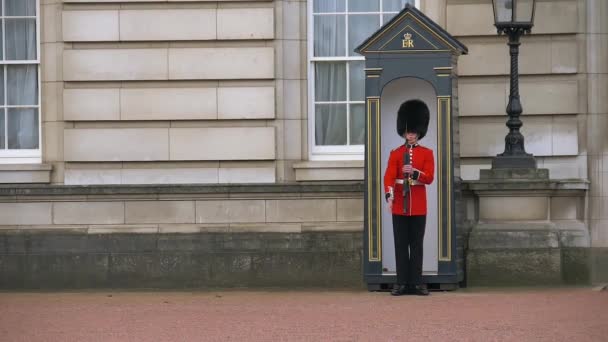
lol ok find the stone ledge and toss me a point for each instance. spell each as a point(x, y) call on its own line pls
point(25, 173)
point(329, 170)
point(179, 228)
point(478, 186)
point(186, 189)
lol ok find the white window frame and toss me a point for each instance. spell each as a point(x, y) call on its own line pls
point(342, 152)
point(24, 156)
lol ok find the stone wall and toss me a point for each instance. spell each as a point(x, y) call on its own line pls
point(181, 236)
point(169, 92)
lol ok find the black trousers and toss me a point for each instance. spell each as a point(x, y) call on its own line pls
point(408, 232)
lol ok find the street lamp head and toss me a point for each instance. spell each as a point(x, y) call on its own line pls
point(512, 15)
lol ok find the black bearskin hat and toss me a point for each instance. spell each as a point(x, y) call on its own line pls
point(413, 116)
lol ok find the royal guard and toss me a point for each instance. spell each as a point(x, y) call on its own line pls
point(411, 167)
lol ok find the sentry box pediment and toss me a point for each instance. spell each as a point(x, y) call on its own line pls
point(410, 31)
point(411, 57)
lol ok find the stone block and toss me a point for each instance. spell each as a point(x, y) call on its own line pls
point(470, 19)
point(170, 176)
point(25, 173)
point(573, 234)
point(231, 175)
point(128, 243)
point(52, 133)
point(514, 174)
point(168, 24)
point(266, 228)
point(475, 19)
point(51, 66)
point(90, 26)
point(50, 23)
point(562, 167)
point(599, 263)
point(11, 271)
point(564, 56)
point(301, 210)
point(576, 266)
point(481, 97)
point(91, 104)
point(556, 17)
point(547, 97)
point(129, 269)
point(598, 86)
point(292, 12)
point(599, 227)
point(292, 60)
point(116, 144)
point(221, 63)
point(194, 242)
point(502, 208)
point(491, 57)
point(291, 99)
point(245, 103)
point(564, 135)
point(237, 266)
point(292, 135)
point(52, 101)
point(514, 267)
point(245, 23)
point(92, 177)
point(513, 235)
point(597, 47)
point(116, 65)
point(52, 271)
point(484, 137)
point(88, 212)
point(320, 170)
point(354, 226)
point(222, 143)
point(533, 54)
point(487, 57)
point(350, 209)
point(59, 242)
point(168, 104)
point(159, 212)
point(25, 213)
point(106, 229)
point(230, 211)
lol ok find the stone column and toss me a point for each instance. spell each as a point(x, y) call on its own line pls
point(51, 46)
point(596, 33)
point(291, 83)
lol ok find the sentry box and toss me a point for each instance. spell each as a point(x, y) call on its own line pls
point(411, 57)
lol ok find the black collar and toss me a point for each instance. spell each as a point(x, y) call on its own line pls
point(410, 146)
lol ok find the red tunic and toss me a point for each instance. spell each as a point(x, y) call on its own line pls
point(423, 162)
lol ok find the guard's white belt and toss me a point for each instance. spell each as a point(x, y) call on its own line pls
point(414, 182)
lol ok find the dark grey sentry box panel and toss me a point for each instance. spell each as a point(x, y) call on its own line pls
point(413, 47)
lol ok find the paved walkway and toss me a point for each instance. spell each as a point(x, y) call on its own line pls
point(571, 314)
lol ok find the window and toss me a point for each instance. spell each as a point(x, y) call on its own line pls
point(19, 81)
point(336, 76)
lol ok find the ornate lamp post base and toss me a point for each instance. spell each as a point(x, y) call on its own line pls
point(514, 162)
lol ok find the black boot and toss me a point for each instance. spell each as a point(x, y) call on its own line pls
point(399, 290)
point(421, 290)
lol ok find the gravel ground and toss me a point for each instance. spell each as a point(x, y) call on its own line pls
point(565, 314)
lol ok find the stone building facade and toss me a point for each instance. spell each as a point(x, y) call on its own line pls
point(159, 122)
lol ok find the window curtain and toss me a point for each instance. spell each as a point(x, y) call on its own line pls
point(21, 124)
point(330, 80)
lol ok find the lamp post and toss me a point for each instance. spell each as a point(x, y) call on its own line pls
point(514, 18)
